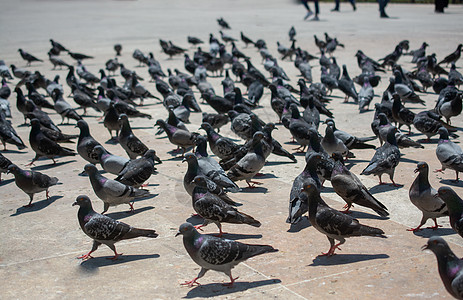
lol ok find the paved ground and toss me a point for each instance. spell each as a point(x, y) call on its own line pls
point(39, 245)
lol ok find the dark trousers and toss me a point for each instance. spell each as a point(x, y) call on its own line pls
point(440, 4)
point(382, 5)
point(306, 5)
point(337, 3)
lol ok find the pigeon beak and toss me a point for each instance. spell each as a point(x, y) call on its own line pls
point(424, 247)
point(183, 160)
point(416, 170)
point(177, 234)
point(74, 204)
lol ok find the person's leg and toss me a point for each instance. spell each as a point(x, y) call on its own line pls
point(309, 12)
point(317, 10)
point(353, 4)
point(336, 6)
point(382, 6)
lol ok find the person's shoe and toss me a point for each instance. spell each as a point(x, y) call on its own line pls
point(354, 7)
point(315, 18)
point(335, 9)
point(308, 15)
point(383, 15)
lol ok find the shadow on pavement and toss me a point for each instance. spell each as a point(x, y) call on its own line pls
point(36, 206)
point(342, 259)
point(217, 289)
point(381, 188)
point(50, 166)
point(124, 214)
point(302, 224)
point(92, 265)
point(428, 232)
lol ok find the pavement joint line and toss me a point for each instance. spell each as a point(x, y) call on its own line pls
point(280, 284)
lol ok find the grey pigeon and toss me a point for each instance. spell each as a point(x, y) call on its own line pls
point(404, 91)
point(428, 122)
point(449, 266)
point(401, 114)
point(403, 141)
point(139, 170)
point(4, 71)
point(334, 224)
point(299, 128)
point(454, 206)
point(105, 230)
point(131, 144)
point(346, 85)
point(28, 57)
point(450, 105)
point(109, 162)
point(452, 57)
point(247, 167)
point(298, 201)
point(213, 209)
point(386, 158)
point(425, 198)
point(63, 107)
point(352, 190)
point(43, 146)
point(4, 164)
point(221, 146)
point(352, 142)
point(112, 192)
point(215, 120)
point(179, 137)
point(34, 112)
point(8, 134)
point(218, 254)
point(449, 154)
point(86, 143)
point(365, 95)
point(32, 182)
point(111, 121)
point(333, 144)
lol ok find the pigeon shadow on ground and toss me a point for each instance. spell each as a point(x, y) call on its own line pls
point(112, 141)
point(36, 206)
point(265, 176)
point(428, 232)
point(381, 188)
point(363, 215)
point(6, 181)
point(217, 289)
point(302, 224)
point(195, 220)
point(124, 214)
point(257, 189)
point(143, 127)
point(452, 182)
point(343, 259)
point(277, 163)
point(162, 137)
point(150, 196)
point(354, 161)
point(92, 265)
point(327, 189)
point(408, 160)
point(67, 124)
point(13, 151)
point(52, 165)
point(428, 142)
point(238, 236)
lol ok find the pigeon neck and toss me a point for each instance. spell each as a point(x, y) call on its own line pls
point(201, 148)
point(84, 214)
point(126, 130)
point(422, 182)
point(84, 132)
point(198, 193)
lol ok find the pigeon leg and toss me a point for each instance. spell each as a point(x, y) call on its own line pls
point(253, 183)
point(435, 225)
point(202, 225)
point(220, 230)
point(94, 247)
point(116, 255)
point(54, 161)
point(439, 171)
point(300, 149)
point(456, 180)
point(415, 229)
point(145, 184)
point(33, 161)
point(380, 181)
point(131, 207)
point(31, 196)
point(48, 195)
point(232, 280)
point(395, 184)
point(105, 207)
point(191, 283)
point(346, 208)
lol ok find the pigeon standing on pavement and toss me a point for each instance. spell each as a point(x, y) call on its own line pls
point(139, 170)
point(8, 134)
point(32, 182)
point(86, 143)
point(112, 192)
point(28, 57)
point(4, 164)
point(218, 254)
point(449, 154)
point(131, 144)
point(179, 137)
point(105, 230)
point(109, 162)
point(334, 224)
point(449, 266)
point(454, 206)
point(452, 57)
point(425, 198)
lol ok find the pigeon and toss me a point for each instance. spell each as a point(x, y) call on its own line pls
point(418, 53)
point(452, 57)
point(63, 107)
point(404, 91)
point(352, 142)
point(346, 85)
point(455, 76)
point(334, 224)
point(449, 265)
point(425, 198)
point(86, 143)
point(79, 56)
point(113, 192)
point(403, 141)
point(221, 146)
point(4, 71)
point(32, 182)
point(118, 49)
point(218, 254)
point(298, 201)
point(139, 170)
point(352, 190)
point(333, 144)
point(4, 164)
point(365, 95)
point(213, 209)
point(454, 206)
point(386, 158)
point(223, 23)
point(111, 121)
point(20, 73)
point(28, 57)
point(43, 146)
point(56, 61)
point(401, 114)
point(292, 33)
point(179, 137)
point(449, 154)
point(246, 40)
point(131, 144)
point(247, 167)
point(194, 40)
point(8, 134)
point(215, 120)
point(109, 162)
point(299, 129)
point(105, 230)
point(34, 112)
point(450, 105)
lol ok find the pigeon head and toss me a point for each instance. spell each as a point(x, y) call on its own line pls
point(186, 229)
point(200, 181)
point(382, 119)
point(13, 169)
point(259, 135)
point(160, 123)
point(444, 134)
point(35, 123)
point(200, 140)
point(391, 135)
point(453, 201)
point(190, 157)
point(82, 200)
point(437, 245)
point(421, 166)
point(123, 119)
point(90, 169)
point(309, 188)
point(82, 124)
point(337, 156)
point(206, 126)
point(99, 150)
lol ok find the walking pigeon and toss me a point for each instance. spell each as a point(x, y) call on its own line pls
point(86, 143)
point(4, 164)
point(8, 134)
point(112, 192)
point(32, 182)
point(139, 170)
point(425, 198)
point(28, 57)
point(449, 154)
point(109, 162)
point(334, 224)
point(131, 144)
point(179, 137)
point(105, 230)
point(218, 254)
point(455, 208)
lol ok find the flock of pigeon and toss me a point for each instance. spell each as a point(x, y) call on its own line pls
point(209, 182)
